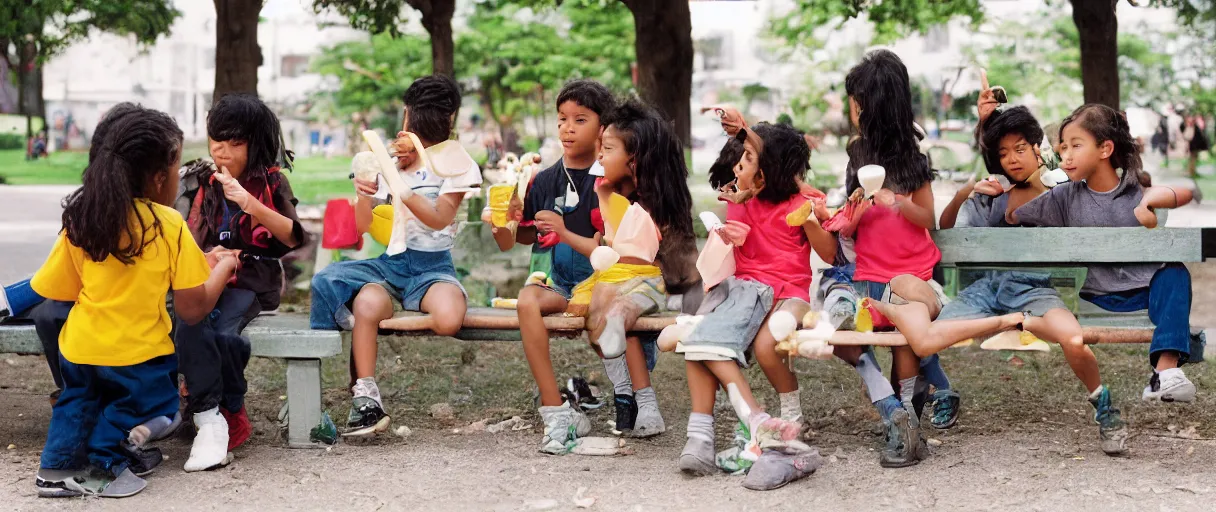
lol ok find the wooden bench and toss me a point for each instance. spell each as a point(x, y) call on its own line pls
point(275, 336)
point(1060, 251)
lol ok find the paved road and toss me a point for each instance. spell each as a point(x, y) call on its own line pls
point(29, 221)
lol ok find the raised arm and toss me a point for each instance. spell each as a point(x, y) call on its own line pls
point(1160, 197)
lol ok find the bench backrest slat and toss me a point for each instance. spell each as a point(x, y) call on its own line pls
point(1069, 245)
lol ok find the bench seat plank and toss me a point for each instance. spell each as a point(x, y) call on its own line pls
point(1069, 245)
point(1093, 335)
point(482, 319)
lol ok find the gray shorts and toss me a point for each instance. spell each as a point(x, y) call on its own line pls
point(1001, 292)
point(733, 313)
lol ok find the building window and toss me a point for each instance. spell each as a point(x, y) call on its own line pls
point(291, 66)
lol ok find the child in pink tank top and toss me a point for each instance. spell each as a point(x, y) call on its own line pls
point(772, 272)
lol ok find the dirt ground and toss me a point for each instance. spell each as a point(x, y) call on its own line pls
point(1025, 441)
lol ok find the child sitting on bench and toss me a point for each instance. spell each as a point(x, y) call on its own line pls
point(772, 261)
point(416, 268)
point(1108, 187)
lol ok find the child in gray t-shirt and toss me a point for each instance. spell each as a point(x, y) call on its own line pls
point(1109, 188)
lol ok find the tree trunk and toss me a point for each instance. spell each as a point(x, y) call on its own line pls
point(27, 55)
point(437, 19)
point(237, 54)
point(1099, 31)
point(664, 55)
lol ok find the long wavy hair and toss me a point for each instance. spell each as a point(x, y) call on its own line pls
point(888, 133)
point(130, 146)
point(1106, 123)
point(661, 176)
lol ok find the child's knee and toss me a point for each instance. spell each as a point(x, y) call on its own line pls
point(372, 301)
point(446, 324)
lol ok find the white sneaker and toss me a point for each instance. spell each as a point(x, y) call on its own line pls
point(210, 449)
point(1169, 386)
point(563, 424)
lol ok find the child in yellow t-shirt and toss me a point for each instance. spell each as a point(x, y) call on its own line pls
point(120, 252)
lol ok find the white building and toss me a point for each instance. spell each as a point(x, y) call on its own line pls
point(177, 74)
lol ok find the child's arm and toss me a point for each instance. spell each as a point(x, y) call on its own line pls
point(281, 227)
point(59, 277)
point(507, 236)
point(437, 215)
point(1160, 197)
point(365, 203)
point(950, 214)
point(193, 304)
point(552, 222)
point(823, 242)
point(918, 210)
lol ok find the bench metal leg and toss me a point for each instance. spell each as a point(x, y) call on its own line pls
point(303, 401)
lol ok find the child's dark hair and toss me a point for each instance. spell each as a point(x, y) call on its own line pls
point(246, 118)
point(723, 169)
point(130, 146)
point(783, 161)
point(1017, 120)
point(431, 103)
point(588, 94)
point(888, 134)
point(1106, 123)
point(661, 175)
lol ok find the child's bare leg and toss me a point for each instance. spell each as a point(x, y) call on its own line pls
point(372, 305)
point(534, 303)
point(611, 316)
point(702, 387)
point(446, 305)
point(1060, 326)
point(727, 373)
point(914, 289)
point(776, 366)
point(635, 358)
point(927, 337)
point(697, 458)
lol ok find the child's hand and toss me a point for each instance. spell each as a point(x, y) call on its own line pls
point(233, 189)
point(367, 188)
point(885, 197)
point(216, 253)
point(987, 103)
point(967, 188)
point(550, 222)
point(1146, 216)
point(857, 196)
point(405, 151)
point(989, 187)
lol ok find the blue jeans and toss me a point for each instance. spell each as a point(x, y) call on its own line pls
point(21, 298)
point(407, 276)
point(930, 367)
point(1168, 301)
point(100, 405)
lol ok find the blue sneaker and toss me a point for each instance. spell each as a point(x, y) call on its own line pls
point(1112, 431)
point(946, 404)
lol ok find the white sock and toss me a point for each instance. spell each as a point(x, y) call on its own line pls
point(366, 387)
point(791, 406)
point(701, 426)
point(1163, 374)
point(907, 389)
point(645, 396)
point(876, 385)
point(618, 373)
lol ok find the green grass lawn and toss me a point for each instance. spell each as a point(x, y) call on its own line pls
point(314, 180)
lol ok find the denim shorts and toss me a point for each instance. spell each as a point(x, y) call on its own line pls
point(407, 276)
point(1001, 292)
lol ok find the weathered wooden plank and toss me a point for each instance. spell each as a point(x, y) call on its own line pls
point(1093, 335)
point(1069, 245)
point(303, 400)
point(19, 339)
point(506, 319)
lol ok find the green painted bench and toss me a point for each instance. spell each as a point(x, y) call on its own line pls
point(278, 336)
point(1063, 252)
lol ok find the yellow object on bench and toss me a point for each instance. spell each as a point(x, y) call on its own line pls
point(381, 227)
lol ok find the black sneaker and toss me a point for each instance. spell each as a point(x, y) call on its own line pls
point(581, 392)
point(366, 418)
point(626, 413)
point(142, 461)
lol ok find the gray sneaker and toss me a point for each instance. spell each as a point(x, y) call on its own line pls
point(649, 422)
point(126, 485)
point(58, 483)
point(775, 469)
point(905, 447)
point(697, 459)
point(564, 424)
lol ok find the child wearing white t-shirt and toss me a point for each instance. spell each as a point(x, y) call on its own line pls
point(416, 268)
